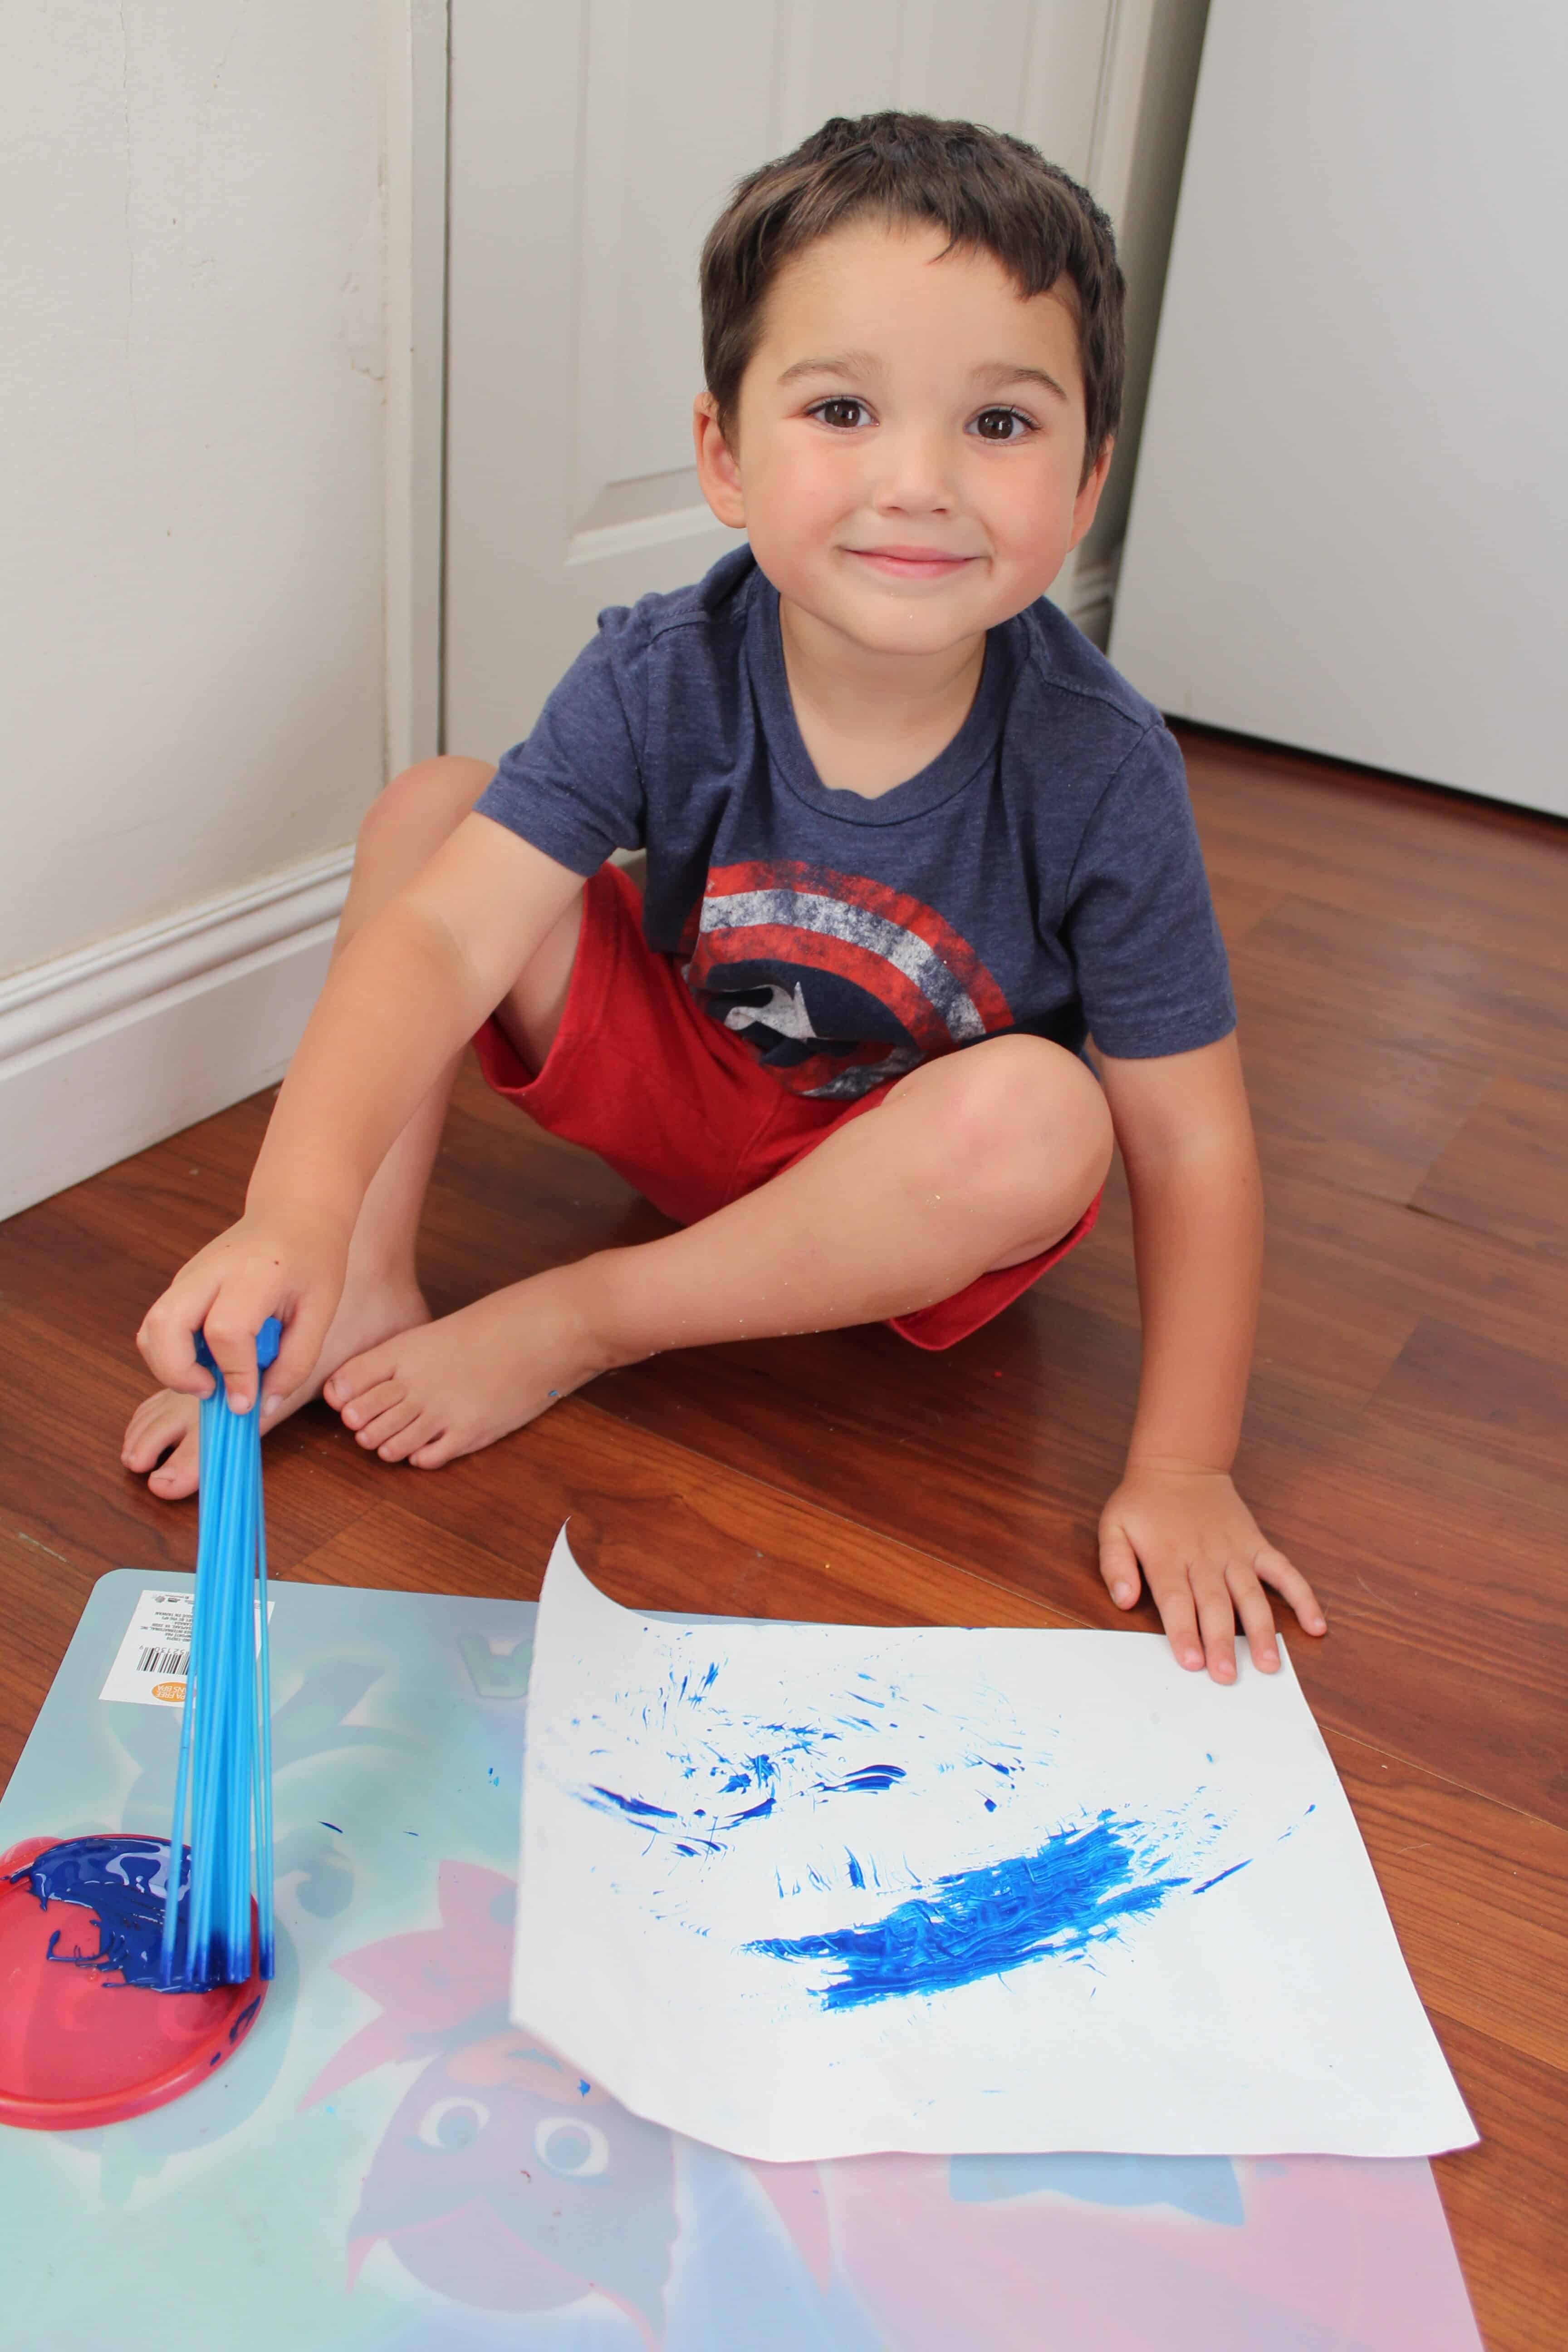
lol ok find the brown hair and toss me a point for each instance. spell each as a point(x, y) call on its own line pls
point(987, 189)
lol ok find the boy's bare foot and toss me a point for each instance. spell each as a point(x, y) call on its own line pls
point(452, 1387)
point(168, 1419)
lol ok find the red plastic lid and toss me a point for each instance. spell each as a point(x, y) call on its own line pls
point(78, 2046)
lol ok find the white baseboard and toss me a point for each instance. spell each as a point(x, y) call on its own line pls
point(106, 1051)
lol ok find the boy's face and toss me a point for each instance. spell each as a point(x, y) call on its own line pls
point(908, 454)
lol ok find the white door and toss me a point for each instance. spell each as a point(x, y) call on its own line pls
point(592, 142)
point(1350, 530)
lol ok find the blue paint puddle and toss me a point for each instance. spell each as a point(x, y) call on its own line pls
point(121, 1880)
point(1204, 2186)
point(1077, 1891)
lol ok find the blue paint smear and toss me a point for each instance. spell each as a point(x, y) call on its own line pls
point(120, 1880)
point(871, 1778)
point(1219, 1875)
point(1056, 1903)
point(637, 1808)
point(333, 1825)
point(857, 1875)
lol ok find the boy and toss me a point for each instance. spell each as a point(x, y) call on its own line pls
point(909, 839)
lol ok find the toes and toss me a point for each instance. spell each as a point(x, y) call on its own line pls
point(422, 1430)
point(375, 1369)
point(365, 1408)
point(176, 1477)
point(443, 1448)
point(388, 1424)
point(156, 1425)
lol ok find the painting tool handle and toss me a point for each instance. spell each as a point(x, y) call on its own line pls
point(225, 1769)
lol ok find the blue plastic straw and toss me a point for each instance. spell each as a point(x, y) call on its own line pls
point(226, 1735)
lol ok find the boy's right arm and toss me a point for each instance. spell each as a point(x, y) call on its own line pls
point(402, 997)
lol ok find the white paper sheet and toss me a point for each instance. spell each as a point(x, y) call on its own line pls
point(811, 1891)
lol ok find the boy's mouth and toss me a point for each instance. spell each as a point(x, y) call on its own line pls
point(912, 563)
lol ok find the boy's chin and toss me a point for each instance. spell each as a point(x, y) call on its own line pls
point(881, 625)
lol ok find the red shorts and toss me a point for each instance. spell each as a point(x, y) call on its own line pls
point(681, 1106)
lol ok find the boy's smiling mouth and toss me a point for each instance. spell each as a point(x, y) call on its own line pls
point(912, 563)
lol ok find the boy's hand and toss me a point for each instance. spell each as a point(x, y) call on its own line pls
point(273, 1262)
point(1205, 1562)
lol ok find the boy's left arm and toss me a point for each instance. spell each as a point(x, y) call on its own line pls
point(1186, 1137)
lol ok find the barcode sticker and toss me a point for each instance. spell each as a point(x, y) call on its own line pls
point(155, 1657)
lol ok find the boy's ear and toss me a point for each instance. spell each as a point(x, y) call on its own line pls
point(1088, 499)
point(717, 471)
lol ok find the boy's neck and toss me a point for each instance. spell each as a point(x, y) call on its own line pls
point(871, 721)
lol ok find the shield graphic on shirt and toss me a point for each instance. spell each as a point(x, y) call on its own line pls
point(840, 983)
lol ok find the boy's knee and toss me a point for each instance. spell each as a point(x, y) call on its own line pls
point(1017, 1106)
point(425, 803)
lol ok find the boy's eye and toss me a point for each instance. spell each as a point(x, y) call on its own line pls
point(841, 410)
point(1002, 424)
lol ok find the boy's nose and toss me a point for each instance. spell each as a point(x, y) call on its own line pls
point(913, 477)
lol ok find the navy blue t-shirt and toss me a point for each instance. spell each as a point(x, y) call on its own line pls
point(1042, 874)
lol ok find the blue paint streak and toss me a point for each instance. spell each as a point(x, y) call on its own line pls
point(333, 1825)
point(857, 1875)
point(870, 1779)
point(1053, 1904)
point(637, 1807)
point(1221, 1875)
point(120, 1879)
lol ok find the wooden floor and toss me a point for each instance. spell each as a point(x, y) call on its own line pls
point(1402, 963)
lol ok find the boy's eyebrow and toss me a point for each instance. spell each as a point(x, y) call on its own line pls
point(993, 373)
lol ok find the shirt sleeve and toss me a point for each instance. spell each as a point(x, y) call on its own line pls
point(1139, 925)
point(574, 787)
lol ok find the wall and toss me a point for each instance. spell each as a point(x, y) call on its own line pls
point(190, 558)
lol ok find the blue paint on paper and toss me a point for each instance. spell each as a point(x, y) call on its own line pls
point(637, 1809)
point(857, 1875)
point(871, 1780)
point(122, 1881)
point(1075, 1891)
point(1219, 1875)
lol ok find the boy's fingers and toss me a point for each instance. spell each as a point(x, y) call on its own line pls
point(1216, 1621)
point(1119, 1566)
point(1180, 1620)
point(230, 1333)
point(298, 1351)
point(1292, 1587)
point(1257, 1622)
point(168, 1344)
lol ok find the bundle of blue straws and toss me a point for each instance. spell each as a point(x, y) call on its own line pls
point(225, 1736)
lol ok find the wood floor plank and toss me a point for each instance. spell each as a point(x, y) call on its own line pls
point(660, 1528)
point(1505, 1171)
point(1478, 1897)
point(1503, 1411)
point(1507, 2200)
point(1361, 1113)
point(1380, 849)
point(1399, 984)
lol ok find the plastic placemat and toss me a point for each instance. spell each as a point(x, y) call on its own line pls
point(389, 2163)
